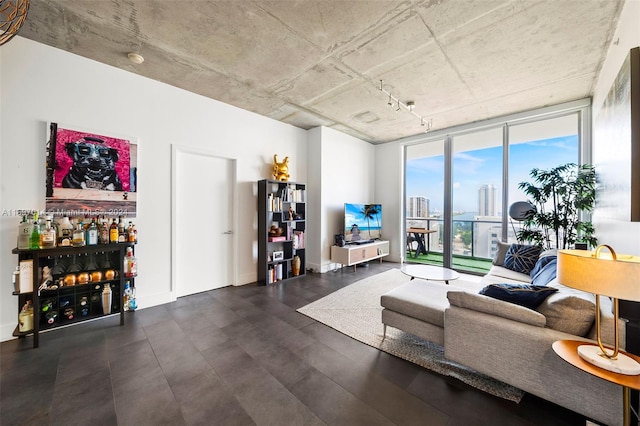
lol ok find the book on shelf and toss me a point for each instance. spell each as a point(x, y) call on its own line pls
point(291, 194)
point(277, 239)
point(275, 273)
point(274, 204)
point(298, 239)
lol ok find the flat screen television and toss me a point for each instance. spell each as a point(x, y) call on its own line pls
point(362, 222)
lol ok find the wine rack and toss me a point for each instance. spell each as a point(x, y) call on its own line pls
point(73, 296)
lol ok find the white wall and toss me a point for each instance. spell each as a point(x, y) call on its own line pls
point(40, 84)
point(623, 236)
point(341, 170)
point(390, 193)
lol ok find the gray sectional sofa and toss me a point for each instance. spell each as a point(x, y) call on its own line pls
point(509, 342)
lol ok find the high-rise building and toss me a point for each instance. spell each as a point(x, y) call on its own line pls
point(418, 207)
point(487, 200)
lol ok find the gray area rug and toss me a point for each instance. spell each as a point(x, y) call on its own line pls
point(355, 311)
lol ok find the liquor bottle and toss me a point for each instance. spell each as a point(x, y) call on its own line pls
point(126, 298)
point(131, 237)
point(122, 235)
point(104, 231)
point(133, 305)
point(130, 264)
point(51, 316)
point(92, 234)
point(78, 239)
point(34, 239)
point(68, 313)
point(66, 233)
point(113, 232)
point(47, 305)
point(24, 233)
point(48, 234)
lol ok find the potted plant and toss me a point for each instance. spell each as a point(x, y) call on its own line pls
point(560, 195)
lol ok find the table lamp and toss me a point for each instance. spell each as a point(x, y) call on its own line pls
point(611, 275)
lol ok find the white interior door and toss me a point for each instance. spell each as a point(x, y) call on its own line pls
point(203, 203)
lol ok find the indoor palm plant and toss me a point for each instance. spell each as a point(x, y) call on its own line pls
point(560, 195)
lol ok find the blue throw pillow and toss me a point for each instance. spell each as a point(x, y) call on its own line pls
point(527, 295)
point(541, 263)
point(546, 274)
point(522, 258)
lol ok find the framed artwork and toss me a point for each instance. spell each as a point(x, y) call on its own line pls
point(90, 173)
point(617, 147)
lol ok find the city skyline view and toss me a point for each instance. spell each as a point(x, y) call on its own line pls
point(473, 169)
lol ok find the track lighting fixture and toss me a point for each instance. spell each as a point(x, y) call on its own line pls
point(409, 106)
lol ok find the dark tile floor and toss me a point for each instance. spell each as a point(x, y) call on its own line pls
point(238, 356)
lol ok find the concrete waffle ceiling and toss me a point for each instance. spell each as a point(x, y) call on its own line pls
point(319, 62)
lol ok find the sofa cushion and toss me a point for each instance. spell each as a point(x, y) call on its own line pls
point(488, 305)
point(527, 295)
point(501, 252)
point(545, 274)
point(521, 258)
point(419, 299)
point(500, 274)
point(569, 310)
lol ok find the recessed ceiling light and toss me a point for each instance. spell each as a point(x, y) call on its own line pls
point(135, 58)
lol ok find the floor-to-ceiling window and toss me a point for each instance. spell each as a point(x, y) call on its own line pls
point(476, 194)
point(543, 145)
point(468, 176)
point(424, 206)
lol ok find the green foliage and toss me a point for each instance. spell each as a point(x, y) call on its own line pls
point(560, 195)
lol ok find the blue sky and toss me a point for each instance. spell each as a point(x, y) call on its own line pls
point(472, 169)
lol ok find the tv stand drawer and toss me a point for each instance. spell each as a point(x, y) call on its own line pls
point(352, 255)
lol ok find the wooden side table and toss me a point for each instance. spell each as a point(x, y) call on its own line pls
point(568, 351)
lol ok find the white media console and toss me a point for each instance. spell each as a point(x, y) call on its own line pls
point(351, 255)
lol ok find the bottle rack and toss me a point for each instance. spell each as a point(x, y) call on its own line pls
point(283, 205)
point(84, 298)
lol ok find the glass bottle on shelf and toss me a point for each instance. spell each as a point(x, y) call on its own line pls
point(126, 298)
point(48, 234)
point(24, 233)
point(78, 236)
point(66, 232)
point(104, 231)
point(92, 234)
point(131, 233)
point(130, 264)
point(34, 238)
point(113, 232)
point(122, 234)
point(133, 305)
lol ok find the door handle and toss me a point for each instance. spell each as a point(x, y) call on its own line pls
point(227, 232)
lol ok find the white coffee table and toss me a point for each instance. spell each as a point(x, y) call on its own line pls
point(429, 272)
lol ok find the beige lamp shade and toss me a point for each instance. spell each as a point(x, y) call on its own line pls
point(582, 270)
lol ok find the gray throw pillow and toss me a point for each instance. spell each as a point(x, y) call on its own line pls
point(569, 310)
point(498, 258)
